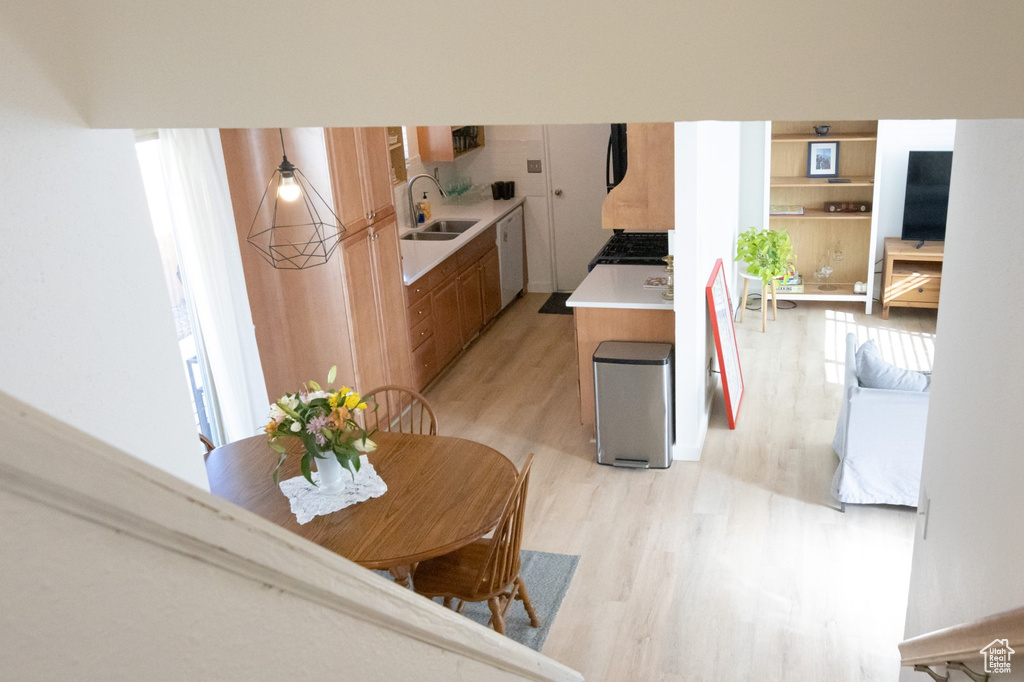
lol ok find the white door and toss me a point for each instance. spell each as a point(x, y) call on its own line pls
point(576, 154)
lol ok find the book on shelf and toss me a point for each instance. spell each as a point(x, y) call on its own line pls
point(785, 209)
point(789, 284)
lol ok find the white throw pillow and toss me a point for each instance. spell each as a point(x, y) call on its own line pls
point(874, 372)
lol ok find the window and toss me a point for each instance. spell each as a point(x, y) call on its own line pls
point(148, 151)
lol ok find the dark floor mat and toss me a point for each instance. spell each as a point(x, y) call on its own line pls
point(555, 305)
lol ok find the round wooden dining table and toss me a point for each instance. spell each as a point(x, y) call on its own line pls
point(443, 493)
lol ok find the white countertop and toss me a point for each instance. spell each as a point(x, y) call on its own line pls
point(620, 286)
point(418, 258)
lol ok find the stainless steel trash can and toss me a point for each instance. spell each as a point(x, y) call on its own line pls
point(634, 395)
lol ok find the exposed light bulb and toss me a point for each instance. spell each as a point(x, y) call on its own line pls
point(288, 190)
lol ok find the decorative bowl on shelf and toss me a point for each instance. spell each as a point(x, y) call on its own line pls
point(822, 130)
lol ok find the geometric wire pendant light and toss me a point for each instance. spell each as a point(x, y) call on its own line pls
point(291, 234)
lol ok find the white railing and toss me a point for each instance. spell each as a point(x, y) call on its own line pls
point(962, 647)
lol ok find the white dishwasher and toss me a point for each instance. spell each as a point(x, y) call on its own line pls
point(510, 252)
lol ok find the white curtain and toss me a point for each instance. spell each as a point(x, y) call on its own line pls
point(204, 228)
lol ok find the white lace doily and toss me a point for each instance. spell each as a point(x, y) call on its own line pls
point(308, 502)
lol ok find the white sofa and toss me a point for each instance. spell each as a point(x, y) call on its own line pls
point(880, 441)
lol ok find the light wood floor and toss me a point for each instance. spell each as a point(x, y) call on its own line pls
point(737, 567)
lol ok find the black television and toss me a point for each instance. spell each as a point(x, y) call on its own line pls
point(924, 210)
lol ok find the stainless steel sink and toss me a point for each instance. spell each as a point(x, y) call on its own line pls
point(430, 236)
point(454, 226)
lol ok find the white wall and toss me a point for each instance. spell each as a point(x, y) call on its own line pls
point(87, 332)
point(707, 215)
point(153, 63)
point(896, 139)
point(754, 176)
point(970, 564)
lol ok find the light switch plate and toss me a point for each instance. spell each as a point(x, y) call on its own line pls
point(533, 166)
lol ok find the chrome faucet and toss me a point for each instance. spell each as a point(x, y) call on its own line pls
point(412, 202)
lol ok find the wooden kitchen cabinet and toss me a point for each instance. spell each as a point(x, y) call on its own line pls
point(471, 304)
point(376, 311)
point(447, 328)
point(300, 318)
point(447, 143)
point(360, 176)
point(449, 306)
point(645, 199)
point(490, 283)
point(350, 311)
point(367, 332)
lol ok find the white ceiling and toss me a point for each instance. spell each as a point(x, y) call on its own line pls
point(243, 63)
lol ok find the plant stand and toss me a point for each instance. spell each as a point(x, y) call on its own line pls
point(764, 300)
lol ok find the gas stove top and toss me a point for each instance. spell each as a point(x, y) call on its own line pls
point(633, 248)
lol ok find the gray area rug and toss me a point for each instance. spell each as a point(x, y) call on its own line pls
point(555, 305)
point(547, 577)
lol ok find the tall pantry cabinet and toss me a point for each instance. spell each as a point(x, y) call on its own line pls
point(345, 312)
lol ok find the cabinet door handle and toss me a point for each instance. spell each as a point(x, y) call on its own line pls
point(920, 291)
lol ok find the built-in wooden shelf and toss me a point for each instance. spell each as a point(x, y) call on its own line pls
point(838, 137)
point(818, 214)
point(843, 240)
point(795, 181)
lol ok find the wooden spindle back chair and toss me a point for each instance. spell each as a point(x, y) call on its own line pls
point(399, 410)
point(497, 578)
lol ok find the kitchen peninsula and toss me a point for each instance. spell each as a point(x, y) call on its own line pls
point(612, 304)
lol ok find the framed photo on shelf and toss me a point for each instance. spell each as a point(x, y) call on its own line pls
point(822, 159)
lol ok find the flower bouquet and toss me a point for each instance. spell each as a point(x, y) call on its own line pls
point(324, 421)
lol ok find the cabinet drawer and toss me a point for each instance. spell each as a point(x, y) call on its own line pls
point(920, 287)
point(417, 290)
point(419, 311)
point(446, 269)
point(424, 364)
point(421, 332)
point(473, 251)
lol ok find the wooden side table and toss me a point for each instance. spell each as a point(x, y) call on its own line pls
point(911, 276)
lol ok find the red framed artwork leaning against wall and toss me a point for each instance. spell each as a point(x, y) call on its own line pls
point(720, 308)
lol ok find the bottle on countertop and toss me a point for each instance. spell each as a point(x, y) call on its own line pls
point(423, 210)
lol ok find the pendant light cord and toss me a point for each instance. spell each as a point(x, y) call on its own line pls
point(283, 152)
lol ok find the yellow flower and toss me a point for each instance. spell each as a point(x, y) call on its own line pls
point(333, 401)
point(352, 401)
point(271, 427)
point(361, 406)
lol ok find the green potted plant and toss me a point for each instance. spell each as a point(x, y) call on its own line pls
point(767, 253)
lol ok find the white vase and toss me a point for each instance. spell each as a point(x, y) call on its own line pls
point(331, 473)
